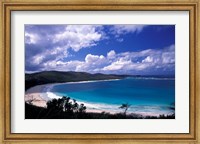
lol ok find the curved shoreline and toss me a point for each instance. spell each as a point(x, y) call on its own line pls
point(38, 95)
point(41, 94)
point(33, 96)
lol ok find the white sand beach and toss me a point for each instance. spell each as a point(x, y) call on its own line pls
point(39, 95)
point(33, 95)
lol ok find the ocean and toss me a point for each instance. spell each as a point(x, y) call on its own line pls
point(146, 95)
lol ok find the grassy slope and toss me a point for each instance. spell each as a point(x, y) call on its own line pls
point(61, 77)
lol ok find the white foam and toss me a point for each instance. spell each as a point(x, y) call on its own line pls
point(150, 78)
point(47, 94)
point(154, 110)
point(52, 95)
point(90, 81)
point(113, 108)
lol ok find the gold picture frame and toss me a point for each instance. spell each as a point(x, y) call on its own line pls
point(193, 137)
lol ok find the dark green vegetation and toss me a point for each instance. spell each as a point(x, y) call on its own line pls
point(125, 107)
point(65, 108)
point(61, 77)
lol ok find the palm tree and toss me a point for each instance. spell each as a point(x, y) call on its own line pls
point(125, 107)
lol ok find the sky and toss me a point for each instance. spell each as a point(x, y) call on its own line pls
point(110, 49)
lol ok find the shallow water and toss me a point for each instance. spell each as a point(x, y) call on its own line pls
point(146, 95)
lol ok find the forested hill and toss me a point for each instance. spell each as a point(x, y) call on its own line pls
point(46, 77)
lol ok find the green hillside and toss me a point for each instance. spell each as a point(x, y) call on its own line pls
point(61, 77)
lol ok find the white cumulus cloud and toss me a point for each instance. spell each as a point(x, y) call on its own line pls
point(111, 54)
point(124, 29)
point(31, 38)
point(77, 37)
point(45, 45)
point(122, 63)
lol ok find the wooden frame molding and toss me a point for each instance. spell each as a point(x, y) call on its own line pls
point(7, 6)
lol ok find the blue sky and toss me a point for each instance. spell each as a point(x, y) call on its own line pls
point(109, 49)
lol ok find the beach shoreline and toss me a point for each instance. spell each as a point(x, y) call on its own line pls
point(40, 94)
point(33, 96)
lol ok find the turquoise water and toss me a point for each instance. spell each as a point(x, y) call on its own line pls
point(153, 95)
